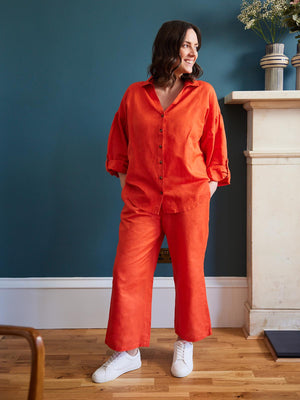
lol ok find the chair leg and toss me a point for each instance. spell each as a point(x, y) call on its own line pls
point(38, 357)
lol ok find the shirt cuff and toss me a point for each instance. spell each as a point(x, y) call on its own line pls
point(220, 174)
point(116, 166)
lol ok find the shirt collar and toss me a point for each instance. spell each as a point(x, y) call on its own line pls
point(148, 82)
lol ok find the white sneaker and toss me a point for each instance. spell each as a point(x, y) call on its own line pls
point(116, 365)
point(182, 359)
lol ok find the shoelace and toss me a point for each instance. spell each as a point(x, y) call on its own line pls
point(180, 347)
point(111, 359)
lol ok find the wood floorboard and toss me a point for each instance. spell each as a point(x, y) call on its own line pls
point(226, 366)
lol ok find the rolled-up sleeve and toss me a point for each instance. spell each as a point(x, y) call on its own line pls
point(117, 147)
point(213, 143)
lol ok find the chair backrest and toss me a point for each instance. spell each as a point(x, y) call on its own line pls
point(37, 357)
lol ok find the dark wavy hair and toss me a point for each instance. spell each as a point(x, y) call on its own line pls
point(165, 53)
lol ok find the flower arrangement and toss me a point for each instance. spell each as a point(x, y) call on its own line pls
point(292, 17)
point(265, 18)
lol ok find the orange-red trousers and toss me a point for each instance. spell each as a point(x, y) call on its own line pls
point(140, 238)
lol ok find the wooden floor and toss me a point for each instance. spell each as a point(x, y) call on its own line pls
point(226, 366)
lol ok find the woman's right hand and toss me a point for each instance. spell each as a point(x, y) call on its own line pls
point(122, 179)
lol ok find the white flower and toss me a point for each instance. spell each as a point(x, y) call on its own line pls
point(250, 24)
point(270, 12)
point(250, 11)
point(296, 18)
point(273, 9)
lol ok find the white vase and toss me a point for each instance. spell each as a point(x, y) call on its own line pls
point(296, 63)
point(274, 63)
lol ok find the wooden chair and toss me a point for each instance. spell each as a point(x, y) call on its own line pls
point(37, 357)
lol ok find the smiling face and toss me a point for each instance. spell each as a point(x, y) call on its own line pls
point(188, 53)
point(174, 53)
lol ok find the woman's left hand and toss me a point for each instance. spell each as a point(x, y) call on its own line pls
point(213, 187)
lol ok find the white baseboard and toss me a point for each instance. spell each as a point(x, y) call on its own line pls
point(60, 303)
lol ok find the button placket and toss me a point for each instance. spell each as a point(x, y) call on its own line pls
point(160, 154)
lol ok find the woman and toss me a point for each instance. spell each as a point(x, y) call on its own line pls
point(167, 145)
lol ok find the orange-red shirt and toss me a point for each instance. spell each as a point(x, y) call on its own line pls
point(168, 156)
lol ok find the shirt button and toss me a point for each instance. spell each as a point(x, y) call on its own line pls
point(160, 177)
point(162, 115)
point(160, 162)
point(161, 192)
point(160, 146)
point(160, 130)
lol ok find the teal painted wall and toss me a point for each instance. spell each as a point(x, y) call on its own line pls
point(64, 66)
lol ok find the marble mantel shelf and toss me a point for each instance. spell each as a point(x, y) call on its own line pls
point(242, 97)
